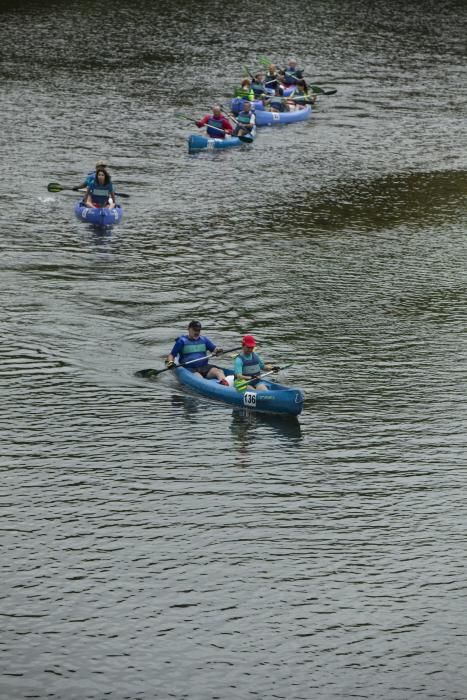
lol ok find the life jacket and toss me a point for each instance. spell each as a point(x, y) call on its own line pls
point(258, 88)
point(244, 117)
point(250, 365)
point(277, 103)
point(193, 349)
point(272, 81)
point(215, 133)
point(100, 193)
point(291, 76)
point(245, 94)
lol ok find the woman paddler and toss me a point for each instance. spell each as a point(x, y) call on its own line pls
point(100, 193)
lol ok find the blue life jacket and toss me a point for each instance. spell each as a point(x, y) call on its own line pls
point(215, 133)
point(250, 365)
point(291, 76)
point(192, 350)
point(90, 178)
point(100, 193)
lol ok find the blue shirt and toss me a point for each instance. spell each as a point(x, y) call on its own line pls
point(238, 363)
point(188, 349)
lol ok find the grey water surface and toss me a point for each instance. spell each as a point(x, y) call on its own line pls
point(158, 545)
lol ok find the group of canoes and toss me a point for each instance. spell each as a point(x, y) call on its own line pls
point(273, 97)
point(267, 98)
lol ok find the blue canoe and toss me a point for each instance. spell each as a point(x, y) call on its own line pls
point(98, 217)
point(278, 398)
point(264, 118)
point(197, 142)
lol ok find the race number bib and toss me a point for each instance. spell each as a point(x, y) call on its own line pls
point(249, 398)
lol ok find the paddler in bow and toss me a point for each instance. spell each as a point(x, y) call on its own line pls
point(245, 120)
point(100, 193)
point(249, 364)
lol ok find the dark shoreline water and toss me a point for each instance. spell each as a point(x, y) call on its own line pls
point(160, 546)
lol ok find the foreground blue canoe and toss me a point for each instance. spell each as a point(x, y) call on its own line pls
point(197, 142)
point(278, 399)
point(98, 217)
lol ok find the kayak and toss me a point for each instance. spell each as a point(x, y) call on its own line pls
point(197, 142)
point(277, 399)
point(98, 217)
point(264, 118)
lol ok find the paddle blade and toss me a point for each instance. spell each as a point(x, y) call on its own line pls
point(54, 187)
point(148, 373)
point(246, 139)
point(265, 61)
point(319, 90)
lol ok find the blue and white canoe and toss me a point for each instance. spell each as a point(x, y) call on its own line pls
point(264, 118)
point(198, 142)
point(102, 216)
point(277, 399)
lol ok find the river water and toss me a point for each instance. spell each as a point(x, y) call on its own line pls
point(157, 545)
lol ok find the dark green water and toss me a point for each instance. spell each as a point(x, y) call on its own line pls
point(159, 546)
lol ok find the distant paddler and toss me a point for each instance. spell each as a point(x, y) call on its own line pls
point(301, 94)
point(258, 85)
point(292, 72)
point(245, 120)
point(91, 176)
point(245, 91)
point(273, 77)
point(217, 125)
point(100, 193)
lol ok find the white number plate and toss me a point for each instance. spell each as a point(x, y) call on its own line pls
point(249, 398)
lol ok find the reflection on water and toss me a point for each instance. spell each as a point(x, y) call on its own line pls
point(245, 423)
point(189, 405)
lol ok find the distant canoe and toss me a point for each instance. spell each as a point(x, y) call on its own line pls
point(102, 216)
point(264, 118)
point(197, 142)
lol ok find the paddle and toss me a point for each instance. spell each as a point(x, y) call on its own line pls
point(150, 373)
point(246, 139)
point(275, 370)
point(55, 187)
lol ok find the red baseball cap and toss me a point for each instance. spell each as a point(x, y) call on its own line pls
point(249, 341)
